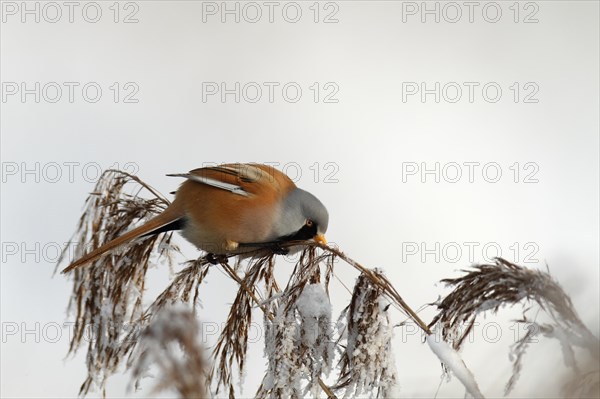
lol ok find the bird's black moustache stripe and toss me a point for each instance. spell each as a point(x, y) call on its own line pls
point(305, 233)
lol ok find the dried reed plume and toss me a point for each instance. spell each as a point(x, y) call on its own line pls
point(297, 322)
point(367, 362)
point(488, 287)
point(107, 295)
point(171, 343)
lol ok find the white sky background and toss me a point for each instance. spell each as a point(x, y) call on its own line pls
point(372, 55)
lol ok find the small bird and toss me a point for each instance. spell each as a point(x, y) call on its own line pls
point(232, 209)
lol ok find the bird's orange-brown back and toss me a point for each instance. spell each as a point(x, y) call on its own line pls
point(236, 214)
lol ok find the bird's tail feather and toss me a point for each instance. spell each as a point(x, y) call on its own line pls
point(168, 220)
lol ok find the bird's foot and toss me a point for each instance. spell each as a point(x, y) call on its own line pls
point(279, 250)
point(231, 245)
point(216, 259)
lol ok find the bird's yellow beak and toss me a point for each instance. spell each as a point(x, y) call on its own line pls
point(320, 238)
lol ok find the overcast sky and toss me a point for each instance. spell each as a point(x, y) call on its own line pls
point(437, 134)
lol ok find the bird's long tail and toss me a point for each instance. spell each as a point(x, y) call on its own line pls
point(170, 219)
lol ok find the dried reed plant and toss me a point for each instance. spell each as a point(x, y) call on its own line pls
point(489, 287)
point(232, 344)
point(107, 299)
point(367, 362)
point(170, 342)
point(583, 385)
point(301, 345)
point(182, 289)
point(107, 295)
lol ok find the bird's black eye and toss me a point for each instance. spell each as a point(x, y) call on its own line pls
point(309, 222)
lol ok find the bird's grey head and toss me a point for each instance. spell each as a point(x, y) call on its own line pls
point(302, 217)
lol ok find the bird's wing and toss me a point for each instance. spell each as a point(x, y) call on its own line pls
point(213, 182)
point(241, 178)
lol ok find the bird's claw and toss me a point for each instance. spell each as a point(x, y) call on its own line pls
point(216, 259)
point(279, 250)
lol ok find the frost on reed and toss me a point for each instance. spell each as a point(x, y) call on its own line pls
point(368, 363)
point(452, 362)
point(488, 287)
point(170, 342)
point(298, 334)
